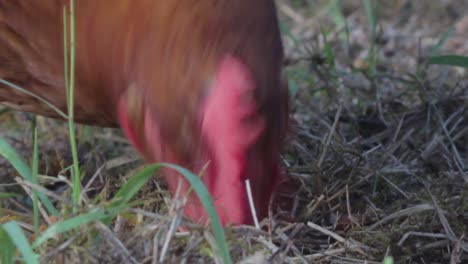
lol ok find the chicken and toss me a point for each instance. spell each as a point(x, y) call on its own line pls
point(192, 82)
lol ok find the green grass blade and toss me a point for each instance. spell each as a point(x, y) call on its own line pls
point(446, 36)
point(452, 60)
point(371, 16)
point(7, 248)
point(335, 10)
point(9, 195)
point(207, 202)
point(70, 224)
point(35, 168)
point(328, 50)
point(122, 197)
point(370, 12)
point(135, 183)
point(388, 260)
point(18, 237)
point(10, 154)
point(65, 51)
point(70, 92)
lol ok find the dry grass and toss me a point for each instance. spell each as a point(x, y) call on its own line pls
point(381, 158)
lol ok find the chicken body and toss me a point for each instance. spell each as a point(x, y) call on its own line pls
point(192, 82)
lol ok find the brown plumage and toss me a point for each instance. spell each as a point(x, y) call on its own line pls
point(155, 68)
